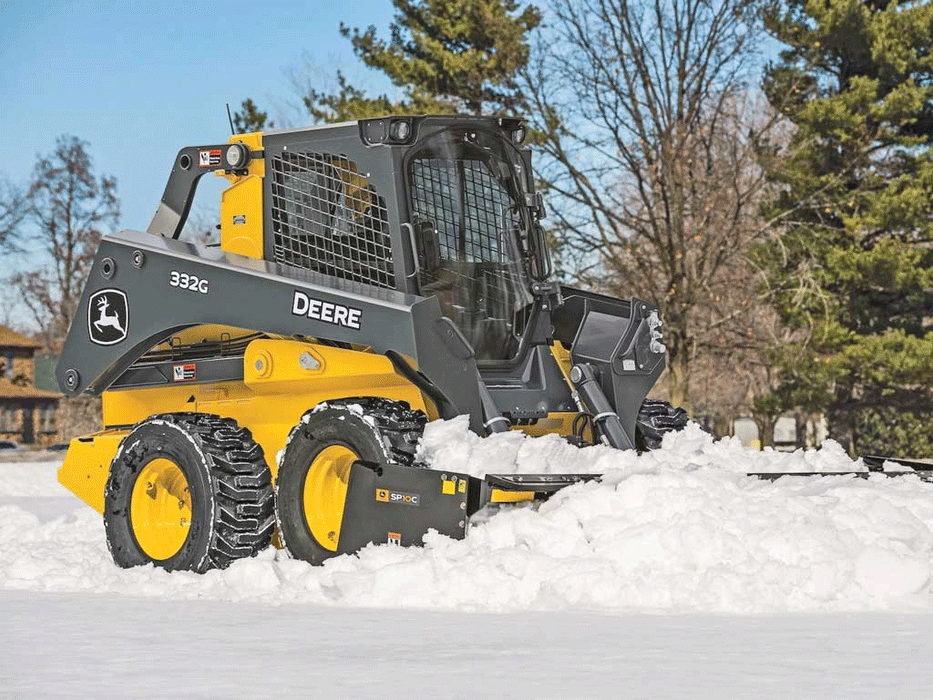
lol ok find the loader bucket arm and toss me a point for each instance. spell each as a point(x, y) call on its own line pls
point(142, 289)
point(190, 164)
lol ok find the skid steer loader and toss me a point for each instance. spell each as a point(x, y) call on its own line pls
point(371, 276)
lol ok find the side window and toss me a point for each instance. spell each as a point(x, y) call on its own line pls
point(468, 217)
point(471, 210)
point(327, 217)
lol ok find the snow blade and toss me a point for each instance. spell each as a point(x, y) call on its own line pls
point(876, 463)
point(539, 483)
point(400, 504)
point(774, 476)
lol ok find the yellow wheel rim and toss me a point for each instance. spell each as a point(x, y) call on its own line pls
point(160, 509)
point(325, 493)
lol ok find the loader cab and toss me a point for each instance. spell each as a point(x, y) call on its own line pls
point(440, 206)
point(467, 189)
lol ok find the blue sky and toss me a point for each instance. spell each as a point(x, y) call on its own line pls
point(139, 80)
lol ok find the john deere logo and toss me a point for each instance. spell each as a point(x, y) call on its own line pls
point(108, 317)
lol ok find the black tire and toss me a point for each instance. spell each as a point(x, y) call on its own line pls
point(373, 429)
point(656, 419)
point(228, 493)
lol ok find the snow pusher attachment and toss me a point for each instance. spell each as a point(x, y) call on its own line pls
point(370, 276)
point(400, 505)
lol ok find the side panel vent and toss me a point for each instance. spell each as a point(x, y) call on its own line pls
point(328, 218)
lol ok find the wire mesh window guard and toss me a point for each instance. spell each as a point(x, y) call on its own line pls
point(327, 217)
point(479, 276)
point(474, 216)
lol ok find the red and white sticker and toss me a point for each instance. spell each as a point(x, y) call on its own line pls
point(184, 373)
point(208, 158)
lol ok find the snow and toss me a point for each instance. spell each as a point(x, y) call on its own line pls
point(675, 574)
point(680, 529)
point(69, 646)
point(450, 444)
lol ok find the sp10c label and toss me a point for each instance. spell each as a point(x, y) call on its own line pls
point(389, 496)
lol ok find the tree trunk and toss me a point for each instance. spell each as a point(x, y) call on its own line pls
point(722, 426)
point(766, 430)
point(29, 426)
point(801, 418)
point(840, 428)
point(765, 420)
point(678, 368)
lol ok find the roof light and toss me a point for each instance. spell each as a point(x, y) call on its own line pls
point(400, 130)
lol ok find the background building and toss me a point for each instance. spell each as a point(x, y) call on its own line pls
point(27, 415)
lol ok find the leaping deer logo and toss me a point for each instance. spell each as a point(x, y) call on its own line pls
point(106, 320)
point(108, 317)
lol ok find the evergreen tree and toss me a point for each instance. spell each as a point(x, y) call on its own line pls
point(852, 265)
point(445, 55)
point(250, 118)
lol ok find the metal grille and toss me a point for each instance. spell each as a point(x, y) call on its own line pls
point(478, 277)
point(327, 217)
point(445, 189)
point(474, 217)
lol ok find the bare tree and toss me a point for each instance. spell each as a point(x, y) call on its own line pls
point(650, 133)
point(12, 212)
point(69, 207)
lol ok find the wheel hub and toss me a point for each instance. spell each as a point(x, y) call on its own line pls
point(160, 509)
point(325, 493)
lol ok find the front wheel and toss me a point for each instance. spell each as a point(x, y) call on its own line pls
point(656, 419)
point(314, 469)
point(188, 491)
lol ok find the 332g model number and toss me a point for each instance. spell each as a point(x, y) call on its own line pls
point(183, 280)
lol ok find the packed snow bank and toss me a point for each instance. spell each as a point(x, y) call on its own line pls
point(678, 529)
point(450, 444)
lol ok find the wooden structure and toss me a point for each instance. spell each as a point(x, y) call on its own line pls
point(27, 414)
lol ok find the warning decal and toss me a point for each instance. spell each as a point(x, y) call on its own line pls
point(208, 158)
point(184, 373)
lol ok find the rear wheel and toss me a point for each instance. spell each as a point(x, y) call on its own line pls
point(314, 469)
point(656, 419)
point(188, 491)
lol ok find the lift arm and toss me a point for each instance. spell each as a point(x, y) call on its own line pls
point(143, 289)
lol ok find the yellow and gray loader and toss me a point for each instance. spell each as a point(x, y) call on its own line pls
point(371, 276)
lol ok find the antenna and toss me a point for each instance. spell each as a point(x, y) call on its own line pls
point(230, 119)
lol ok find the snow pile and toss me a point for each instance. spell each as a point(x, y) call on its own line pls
point(29, 480)
point(450, 444)
point(679, 529)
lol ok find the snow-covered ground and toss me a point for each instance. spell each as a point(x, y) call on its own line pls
point(675, 576)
